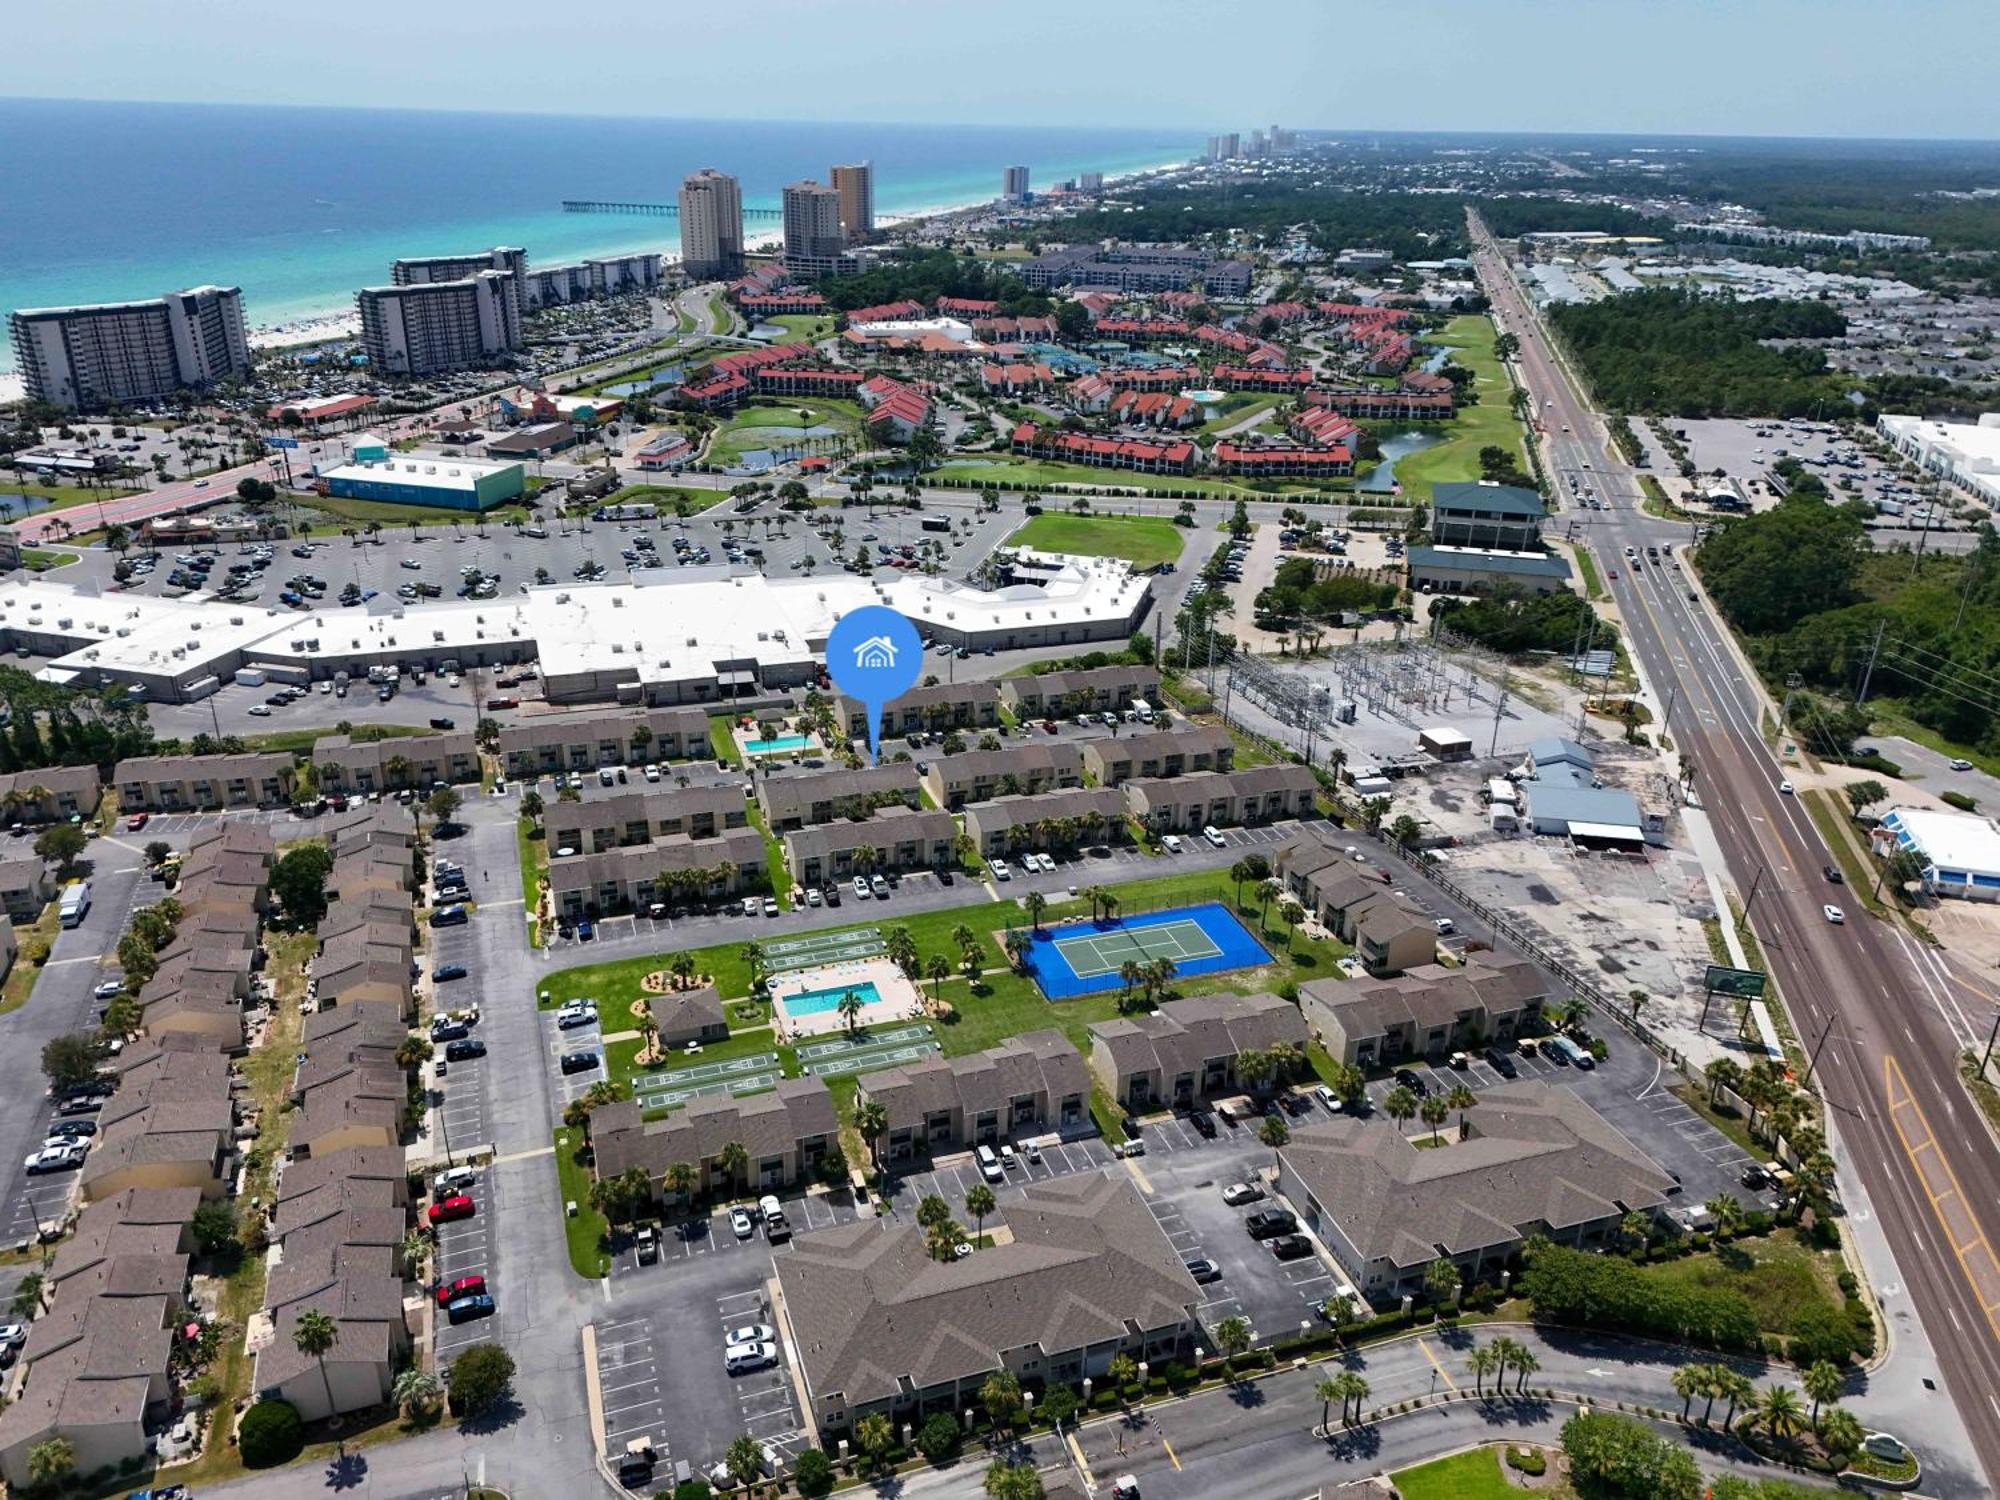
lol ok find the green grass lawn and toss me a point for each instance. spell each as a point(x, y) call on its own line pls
point(1474, 1475)
point(804, 325)
point(668, 497)
point(1491, 422)
point(1009, 469)
point(40, 559)
point(1140, 540)
point(335, 514)
point(723, 741)
point(1000, 1004)
point(1586, 564)
point(1236, 407)
point(587, 1231)
point(62, 496)
point(534, 853)
point(774, 860)
point(774, 424)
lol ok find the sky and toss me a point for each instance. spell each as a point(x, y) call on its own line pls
point(1885, 68)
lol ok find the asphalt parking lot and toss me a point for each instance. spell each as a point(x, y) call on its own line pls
point(471, 1247)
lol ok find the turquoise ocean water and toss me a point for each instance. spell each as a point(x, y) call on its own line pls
point(300, 207)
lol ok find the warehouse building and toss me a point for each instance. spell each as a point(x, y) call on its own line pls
point(1961, 854)
point(448, 482)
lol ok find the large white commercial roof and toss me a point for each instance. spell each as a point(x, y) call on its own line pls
point(1950, 841)
point(422, 470)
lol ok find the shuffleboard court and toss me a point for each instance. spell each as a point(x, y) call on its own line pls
point(1106, 953)
point(695, 1076)
point(823, 948)
point(1084, 957)
point(672, 1098)
point(871, 1059)
point(868, 1041)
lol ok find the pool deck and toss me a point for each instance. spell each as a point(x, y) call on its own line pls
point(900, 999)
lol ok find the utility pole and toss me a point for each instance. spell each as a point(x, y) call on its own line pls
point(1987, 1055)
point(1868, 672)
point(1813, 1061)
point(1499, 712)
point(1744, 920)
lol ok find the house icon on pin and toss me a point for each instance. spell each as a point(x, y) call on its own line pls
point(875, 652)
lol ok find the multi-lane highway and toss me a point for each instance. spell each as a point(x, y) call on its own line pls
point(1895, 1015)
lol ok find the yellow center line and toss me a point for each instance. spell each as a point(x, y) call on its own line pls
point(1172, 1457)
point(1940, 1185)
point(1450, 1384)
point(1082, 1463)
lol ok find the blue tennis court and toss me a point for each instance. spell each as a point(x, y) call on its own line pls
point(1085, 958)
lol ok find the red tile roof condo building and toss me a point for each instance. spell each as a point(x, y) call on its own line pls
point(799, 380)
point(968, 308)
point(719, 394)
point(1232, 458)
point(1398, 406)
point(1153, 409)
point(1143, 330)
point(755, 359)
point(1013, 330)
point(897, 416)
point(1242, 378)
point(1015, 377)
point(886, 312)
point(1151, 377)
point(1175, 457)
point(1321, 426)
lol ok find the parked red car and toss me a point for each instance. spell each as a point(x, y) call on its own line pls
point(465, 1286)
point(137, 821)
point(457, 1206)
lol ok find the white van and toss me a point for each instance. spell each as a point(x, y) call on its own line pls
point(539, 533)
point(989, 1165)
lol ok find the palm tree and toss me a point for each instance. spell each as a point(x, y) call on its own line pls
point(1823, 1382)
point(51, 1461)
point(752, 955)
point(1159, 974)
point(1018, 946)
point(1239, 872)
point(680, 1179)
point(1399, 1104)
point(313, 1335)
point(1689, 1380)
point(1329, 1391)
point(1434, 1111)
point(733, 1160)
point(1737, 1388)
point(871, 1121)
point(1122, 1371)
point(1780, 1412)
point(1461, 1099)
point(414, 1251)
point(1232, 1337)
point(1840, 1432)
point(901, 949)
point(416, 1390)
point(938, 968)
point(1636, 1228)
point(1441, 1280)
point(850, 1009)
point(682, 967)
point(965, 939)
point(1131, 973)
point(1037, 903)
point(1525, 1364)
point(1484, 1360)
point(1353, 1391)
point(1727, 1211)
point(979, 1203)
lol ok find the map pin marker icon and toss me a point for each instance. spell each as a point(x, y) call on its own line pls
point(874, 657)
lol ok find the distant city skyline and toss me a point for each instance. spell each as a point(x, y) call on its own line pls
point(1686, 67)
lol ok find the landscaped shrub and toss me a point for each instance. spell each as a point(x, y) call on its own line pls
point(1960, 801)
point(270, 1433)
point(1606, 1292)
point(937, 1439)
point(1527, 1460)
point(813, 1473)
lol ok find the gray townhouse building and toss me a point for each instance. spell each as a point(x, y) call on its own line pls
point(640, 817)
point(1029, 1084)
point(729, 863)
point(900, 839)
point(1428, 1011)
point(947, 705)
point(1186, 1052)
point(1536, 1160)
point(1159, 752)
point(53, 794)
point(785, 1134)
point(1088, 815)
point(1199, 799)
point(343, 764)
point(793, 800)
point(604, 737)
point(191, 783)
point(1054, 695)
point(879, 1326)
point(1024, 770)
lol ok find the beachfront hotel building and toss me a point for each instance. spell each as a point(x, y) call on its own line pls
point(814, 244)
point(420, 269)
point(584, 280)
point(711, 225)
point(423, 328)
point(855, 187)
point(1014, 184)
point(119, 353)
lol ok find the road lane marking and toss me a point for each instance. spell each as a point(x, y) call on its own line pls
point(1450, 1384)
point(1940, 1184)
point(1172, 1457)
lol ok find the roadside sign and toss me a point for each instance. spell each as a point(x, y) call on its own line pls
point(1745, 984)
point(281, 442)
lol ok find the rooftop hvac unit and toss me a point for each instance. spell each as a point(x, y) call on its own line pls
point(436, 635)
point(64, 622)
point(236, 619)
point(123, 631)
point(617, 648)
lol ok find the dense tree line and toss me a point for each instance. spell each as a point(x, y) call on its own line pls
point(1514, 622)
point(49, 725)
point(1606, 1291)
point(1770, 571)
point(930, 274)
point(1296, 595)
point(1410, 226)
point(1509, 218)
point(1678, 352)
